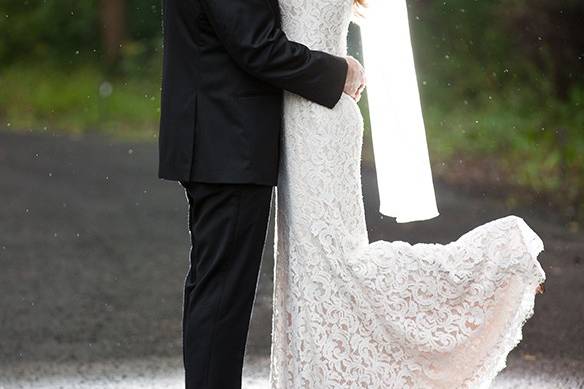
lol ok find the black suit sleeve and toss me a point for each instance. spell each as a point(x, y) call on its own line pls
point(252, 38)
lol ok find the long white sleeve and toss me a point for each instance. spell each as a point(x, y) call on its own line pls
point(406, 188)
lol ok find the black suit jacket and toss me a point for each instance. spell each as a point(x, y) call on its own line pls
point(226, 64)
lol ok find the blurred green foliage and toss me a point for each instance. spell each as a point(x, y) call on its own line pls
point(53, 74)
point(502, 80)
point(47, 30)
point(505, 80)
point(67, 32)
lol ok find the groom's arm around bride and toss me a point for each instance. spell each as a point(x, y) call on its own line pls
point(217, 55)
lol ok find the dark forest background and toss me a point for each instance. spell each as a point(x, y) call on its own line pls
point(502, 84)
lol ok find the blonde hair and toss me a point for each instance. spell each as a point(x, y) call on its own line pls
point(358, 9)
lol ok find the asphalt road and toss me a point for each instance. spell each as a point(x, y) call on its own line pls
point(93, 252)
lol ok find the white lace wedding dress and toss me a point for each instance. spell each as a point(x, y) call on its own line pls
point(382, 315)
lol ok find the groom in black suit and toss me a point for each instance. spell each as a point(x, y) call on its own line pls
point(226, 64)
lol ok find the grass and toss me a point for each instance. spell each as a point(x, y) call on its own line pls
point(78, 100)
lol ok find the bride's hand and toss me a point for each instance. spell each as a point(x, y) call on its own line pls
point(540, 288)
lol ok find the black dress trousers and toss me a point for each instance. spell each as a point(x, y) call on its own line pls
point(228, 224)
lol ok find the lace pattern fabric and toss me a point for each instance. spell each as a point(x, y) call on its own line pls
point(353, 314)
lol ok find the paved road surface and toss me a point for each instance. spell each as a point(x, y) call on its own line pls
point(93, 251)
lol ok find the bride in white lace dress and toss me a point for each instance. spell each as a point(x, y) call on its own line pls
point(353, 314)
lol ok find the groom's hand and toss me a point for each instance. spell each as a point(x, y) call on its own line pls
point(355, 82)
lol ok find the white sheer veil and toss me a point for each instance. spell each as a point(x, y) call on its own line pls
point(404, 176)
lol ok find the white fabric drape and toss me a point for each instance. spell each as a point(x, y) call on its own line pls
point(404, 176)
